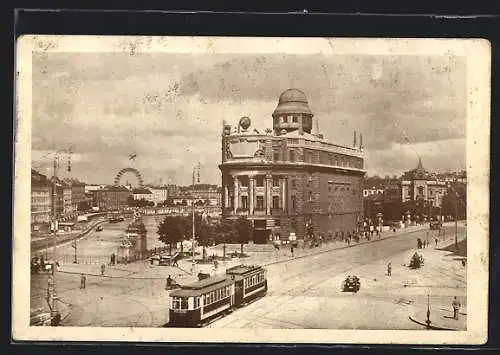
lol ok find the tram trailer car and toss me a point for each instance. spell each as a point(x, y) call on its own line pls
point(198, 303)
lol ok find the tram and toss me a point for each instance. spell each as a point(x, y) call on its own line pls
point(197, 304)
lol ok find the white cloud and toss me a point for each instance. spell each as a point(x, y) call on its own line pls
point(169, 108)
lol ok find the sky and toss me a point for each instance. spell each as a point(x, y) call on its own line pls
point(168, 109)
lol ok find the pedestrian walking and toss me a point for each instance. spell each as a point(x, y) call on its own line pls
point(456, 307)
point(291, 249)
point(169, 282)
point(103, 268)
point(389, 269)
point(216, 264)
point(83, 281)
point(436, 240)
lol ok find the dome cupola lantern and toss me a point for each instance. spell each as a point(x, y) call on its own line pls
point(292, 113)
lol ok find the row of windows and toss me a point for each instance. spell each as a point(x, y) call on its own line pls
point(306, 120)
point(214, 296)
point(309, 157)
point(179, 303)
point(259, 202)
point(253, 280)
point(259, 181)
point(310, 198)
point(209, 298)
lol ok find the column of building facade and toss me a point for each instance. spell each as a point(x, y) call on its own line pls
point(236, 193)
point(269, 182)
point(251, 193)
point(225, 183)
point(226, 196)
point(283, 183)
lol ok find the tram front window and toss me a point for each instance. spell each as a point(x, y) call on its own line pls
point(179, 303)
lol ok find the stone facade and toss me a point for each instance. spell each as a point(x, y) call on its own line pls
point(111, 198)
point(77, 192)
point(290, 180)
point(41, 202)
point(419, 185)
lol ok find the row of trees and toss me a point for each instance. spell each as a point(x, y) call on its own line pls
point(453, 202)
point(174, 229)
point(169, 202)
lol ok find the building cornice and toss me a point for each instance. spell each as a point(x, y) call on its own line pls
point(290, 166)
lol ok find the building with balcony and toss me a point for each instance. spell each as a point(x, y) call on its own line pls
point(289, 179)
point(41, 202)
point(77, 192)
point(63, 204)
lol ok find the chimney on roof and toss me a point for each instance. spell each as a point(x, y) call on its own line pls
point(361, 141)
point(354, 141)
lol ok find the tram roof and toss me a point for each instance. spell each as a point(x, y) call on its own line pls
point(203, 286)
point(243, 269)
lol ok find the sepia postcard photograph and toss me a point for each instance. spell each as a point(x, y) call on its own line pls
point(251, 190)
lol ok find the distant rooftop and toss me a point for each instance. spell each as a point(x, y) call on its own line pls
point(141, 191)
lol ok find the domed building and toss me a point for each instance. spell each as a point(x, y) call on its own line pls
point(289, 181)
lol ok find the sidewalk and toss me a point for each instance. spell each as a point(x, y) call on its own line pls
point(441, 319)
point(62, 306)
point(274, 256)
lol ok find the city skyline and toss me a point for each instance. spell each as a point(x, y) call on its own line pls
point(107, 106)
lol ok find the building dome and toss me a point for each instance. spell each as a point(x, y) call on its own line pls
point(292, 112)
point(292, 95)
point(292, 101)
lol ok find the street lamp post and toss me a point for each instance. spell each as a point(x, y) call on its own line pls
point(52, 294)
point(456, 219)
point(428, 320)
point(53, 297)
point(193, 263)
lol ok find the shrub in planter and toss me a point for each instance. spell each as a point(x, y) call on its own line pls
point(416, 261)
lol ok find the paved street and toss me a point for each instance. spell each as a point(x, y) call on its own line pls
point(304, 292)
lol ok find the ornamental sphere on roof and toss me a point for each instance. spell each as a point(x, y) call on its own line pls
point(245, 123)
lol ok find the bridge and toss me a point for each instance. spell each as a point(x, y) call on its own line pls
point(211, 211)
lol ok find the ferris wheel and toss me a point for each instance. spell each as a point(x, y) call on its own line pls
point(133, 171)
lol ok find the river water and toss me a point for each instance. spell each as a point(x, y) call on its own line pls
point(100, 245)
